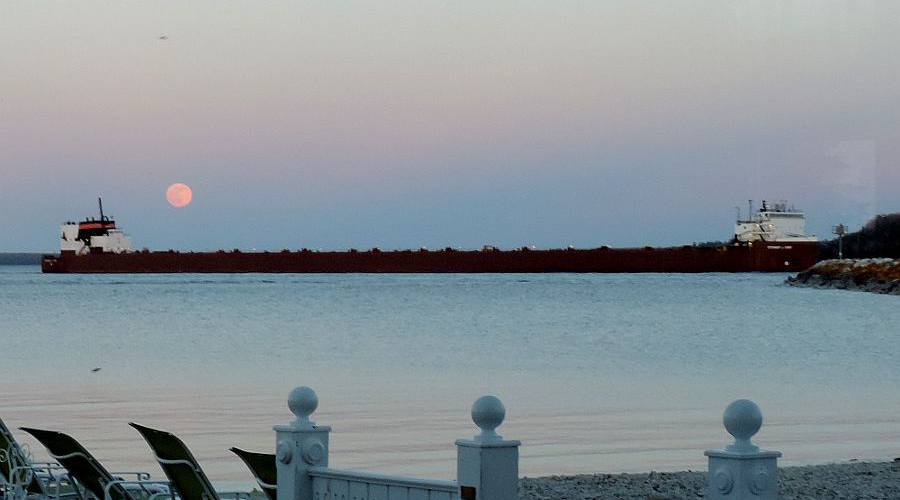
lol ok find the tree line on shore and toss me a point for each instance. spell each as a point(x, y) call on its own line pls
point(880, 237)
point(20, 259)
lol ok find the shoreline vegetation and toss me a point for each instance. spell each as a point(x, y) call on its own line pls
point(870, 480)
point(866, 275)
point(20, 259)
point(879, 238)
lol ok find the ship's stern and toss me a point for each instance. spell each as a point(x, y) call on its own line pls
point(50, 264)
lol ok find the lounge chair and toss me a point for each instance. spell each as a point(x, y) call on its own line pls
point(90, 474)
point(20, 477)
point(263, 467)
point(181, 467)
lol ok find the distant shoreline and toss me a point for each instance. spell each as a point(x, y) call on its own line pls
point(875, 480)
point(20, 258)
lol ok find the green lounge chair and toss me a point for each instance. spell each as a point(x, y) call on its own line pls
point(180, 466)
point(20, 476)
point(90, 474)
point(262, 465)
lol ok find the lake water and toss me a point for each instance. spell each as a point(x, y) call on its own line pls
point(599, 373)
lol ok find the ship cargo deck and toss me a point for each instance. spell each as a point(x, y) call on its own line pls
point(758, 257)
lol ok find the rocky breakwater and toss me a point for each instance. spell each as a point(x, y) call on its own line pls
point(866, 275)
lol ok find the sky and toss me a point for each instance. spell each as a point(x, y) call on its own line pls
point(421, 123)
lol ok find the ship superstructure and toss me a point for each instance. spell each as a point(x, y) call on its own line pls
point(773, 223)
point(94, 236)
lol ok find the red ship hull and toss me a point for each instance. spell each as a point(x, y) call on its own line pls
point(760, 257)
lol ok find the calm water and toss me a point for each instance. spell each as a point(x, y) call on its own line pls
point(604, 373)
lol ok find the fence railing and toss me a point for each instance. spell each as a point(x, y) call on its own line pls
point(488, 465)
point(338, 484)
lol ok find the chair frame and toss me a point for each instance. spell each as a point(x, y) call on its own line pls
point(141, 482)
point(266, 487)
point(24, 472)
point(192, 464)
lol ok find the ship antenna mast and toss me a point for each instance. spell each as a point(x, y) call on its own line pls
point(100, 202)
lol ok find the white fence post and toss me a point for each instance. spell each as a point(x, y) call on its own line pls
point(299, 446)
point(742, 471)
point(487, 466)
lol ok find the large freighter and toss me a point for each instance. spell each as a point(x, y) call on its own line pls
point(772, 239)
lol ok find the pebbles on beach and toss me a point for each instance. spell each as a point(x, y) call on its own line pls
point(855, 480)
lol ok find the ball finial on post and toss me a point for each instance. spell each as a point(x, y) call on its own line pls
point(742, 419)
point(488, 413)
point(302, 402)
point(741, 470)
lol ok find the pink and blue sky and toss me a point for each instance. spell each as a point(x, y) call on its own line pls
point(411, 123)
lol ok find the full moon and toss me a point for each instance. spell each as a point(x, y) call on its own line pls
point(179, 195)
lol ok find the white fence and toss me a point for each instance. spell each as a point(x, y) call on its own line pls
point(488, 465)
point(334, 484)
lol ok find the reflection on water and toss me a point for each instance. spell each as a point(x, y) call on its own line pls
point(598, 372)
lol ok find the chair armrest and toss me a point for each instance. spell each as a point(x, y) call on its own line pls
point(138, 476)
point(51, 471)
point(44, 474)
point(45, 464)
point(236, 495)
point(42, 466)
point(142, 484)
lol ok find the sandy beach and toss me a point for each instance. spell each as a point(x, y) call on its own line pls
point(857, 480)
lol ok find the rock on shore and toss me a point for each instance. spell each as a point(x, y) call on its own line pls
point(867, 275)
point(854, 480)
